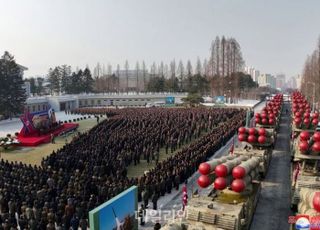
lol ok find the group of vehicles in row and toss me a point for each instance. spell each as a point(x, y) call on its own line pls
point(235, 180)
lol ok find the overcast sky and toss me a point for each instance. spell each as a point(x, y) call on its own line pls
point(275, 35)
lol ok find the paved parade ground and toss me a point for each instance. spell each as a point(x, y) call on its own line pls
point(273, 208)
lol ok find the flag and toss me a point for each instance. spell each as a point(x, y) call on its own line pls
point(296, 172)
point(232, 147)
point(27, 123)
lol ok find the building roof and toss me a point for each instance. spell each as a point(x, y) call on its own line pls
point(22, 67)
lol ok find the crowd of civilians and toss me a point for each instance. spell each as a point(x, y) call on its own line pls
point(93, 167)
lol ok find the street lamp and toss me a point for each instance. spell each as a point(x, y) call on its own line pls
point(314, 93)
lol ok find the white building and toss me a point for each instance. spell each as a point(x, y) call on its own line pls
point(252, 72)
point(292, 83)
point(267, 80)
point(298, 81)
point(68, 102)
point(280, 81)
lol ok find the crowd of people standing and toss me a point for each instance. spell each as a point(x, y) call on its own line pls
point(93, 167)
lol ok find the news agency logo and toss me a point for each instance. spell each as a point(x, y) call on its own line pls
point(305, 222)
point(302, 223)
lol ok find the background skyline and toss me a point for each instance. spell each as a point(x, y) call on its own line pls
point(275, 36)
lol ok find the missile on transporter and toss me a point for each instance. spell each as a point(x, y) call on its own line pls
point(209, 166)
point(245, 167)
point(222, 170)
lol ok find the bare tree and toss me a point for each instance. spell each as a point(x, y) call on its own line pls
point(217, 54)
point(161, 70)
point(223, 55)
point(118, 77)
point(153, 69)
point(173, 73)
point(137, 76)
point(189, 69)
point(144, 75)
point(97, 71)
point(206, 68)
point(181, 74)
point(225, 59)
point(173, 69)
point(109, 70)
point(166, 71)
point(126, 68)
point(198, 67)
point(103, 72)
point(212, 59)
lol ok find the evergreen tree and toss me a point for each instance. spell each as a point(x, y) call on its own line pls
point(80, 84)
point(87, 81)
point(40, 87)
point(66, 78)
point(156, 85)
point(54, 80)
point(12, 93)
point(33, 86)
point(75, 82)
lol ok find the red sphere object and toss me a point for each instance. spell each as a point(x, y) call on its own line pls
point(220, 183)
point(303, 146)
point(204, 168)
point(271, 121)
point(316, 136)
point(306, 115)
point(252, 139)
point(252, 131)
point(306, 121)
point(257, 115)
point(203, 181)
point(315, 115)
point(242, 130)
point(238, 172)
point(257, 120)
point(263, 116)
point(262, 139)
point(297, 121)
point(271, 115)
point(262, 132)
point(315, 121)
point(304, 136)
point(264, 121)
point(316, 201)
point(221, 170)
point(238, 185)
point(242, 137)
point(297, 114)
point(316, 147)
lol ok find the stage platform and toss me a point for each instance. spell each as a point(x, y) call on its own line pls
point(37, 140)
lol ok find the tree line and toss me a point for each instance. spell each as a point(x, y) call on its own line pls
point(61, 79)
point(206, 77)
point(220, 74)
point(310, 82)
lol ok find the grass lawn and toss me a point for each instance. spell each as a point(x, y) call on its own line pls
point(138, 170)
point(34, 155)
